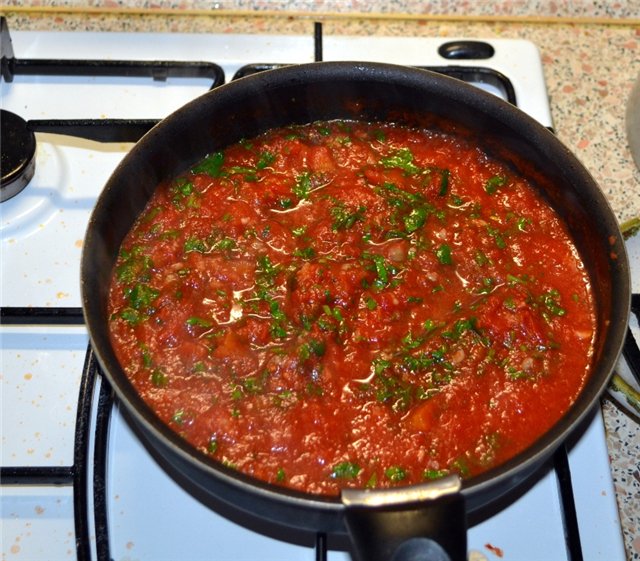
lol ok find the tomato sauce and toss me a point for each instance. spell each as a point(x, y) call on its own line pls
point(353, 304)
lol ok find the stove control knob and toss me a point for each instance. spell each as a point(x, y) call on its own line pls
point(466, 50)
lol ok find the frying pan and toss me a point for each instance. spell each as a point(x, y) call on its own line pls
point(418, 522)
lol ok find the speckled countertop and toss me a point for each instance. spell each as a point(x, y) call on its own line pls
point(591, 58)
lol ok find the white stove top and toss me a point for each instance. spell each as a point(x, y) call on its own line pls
point(150, 516)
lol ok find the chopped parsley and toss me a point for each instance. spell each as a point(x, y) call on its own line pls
point(211, 165)
point(346, 470)
point(402, 159)
point(494, 183)
point(344, 217)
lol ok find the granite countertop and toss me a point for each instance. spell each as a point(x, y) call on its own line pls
point(591, 58)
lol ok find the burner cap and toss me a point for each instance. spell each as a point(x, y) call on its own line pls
point(18, 162)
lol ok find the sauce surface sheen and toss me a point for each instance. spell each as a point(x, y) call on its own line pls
point(353, 304)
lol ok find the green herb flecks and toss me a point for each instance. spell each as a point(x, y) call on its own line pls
point(305, 253)
point(345, 470)
point(266, 273)
point(284, 398)
point(224, 244)
point(302, 186)
point(211, 165)
point(312, 348)
point(402, 159)
point(481, 259)
point(462, 326)
point(379, 365)
point(145, 355)
point(411, 341)
point(345, 217)
point(212, 445)
point(183, 194)
point(435, 362)
point(444, 182)
point(523, 223)
point(212, 243)
point(370, 303)
point(248, 173)
point(184, 417)
point(431, 474)
point(265, 160)
point(498, 237)
point(331, 320)
point(195, 244)
point(551, 307)
point(141, 296)
point(494, 183)
point(513, 280)
point(384, 270)
point(158, 378)
point(415, 219)
point(135, 266)
point(388, 386)
point(280, 322)
point(429, 325)
point(150, 215)
point(399, 197)
point(443, 253)
point(372, 482)
point(394, 391)
point(461, 465)
point(395, 473)
point(515, 374)
point(195, 321)
point(411, 209)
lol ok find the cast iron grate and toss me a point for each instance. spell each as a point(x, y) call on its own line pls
point(11, 66)
point(18, 158)
point(470, 74)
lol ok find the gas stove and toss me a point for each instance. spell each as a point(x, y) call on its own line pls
point(76, 480)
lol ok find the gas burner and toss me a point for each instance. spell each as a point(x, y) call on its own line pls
point(18, 154)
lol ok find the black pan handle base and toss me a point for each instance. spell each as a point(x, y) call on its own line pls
point(420, 523)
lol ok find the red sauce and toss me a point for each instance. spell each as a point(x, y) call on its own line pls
point(349, 304)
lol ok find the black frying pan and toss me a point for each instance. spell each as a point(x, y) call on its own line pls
point(418, 522)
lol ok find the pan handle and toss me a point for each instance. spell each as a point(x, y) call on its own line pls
point(424, 522)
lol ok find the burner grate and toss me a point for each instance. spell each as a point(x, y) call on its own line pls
point(470, 74)
point(18, 156)
point(156, 70)
point(75, 475)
